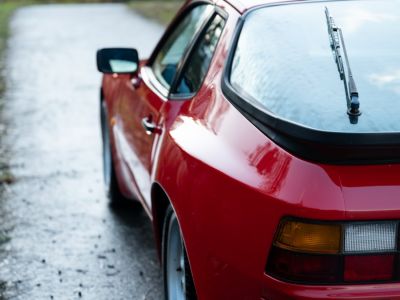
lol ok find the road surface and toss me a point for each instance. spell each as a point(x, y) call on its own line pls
point(59, 239)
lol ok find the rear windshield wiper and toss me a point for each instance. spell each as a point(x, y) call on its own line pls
point(337, 40)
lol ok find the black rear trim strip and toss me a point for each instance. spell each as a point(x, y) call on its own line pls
point(310, 144)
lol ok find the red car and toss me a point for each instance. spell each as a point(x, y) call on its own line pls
point(263, 140)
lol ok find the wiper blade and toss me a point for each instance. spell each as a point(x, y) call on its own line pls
point(337, 40)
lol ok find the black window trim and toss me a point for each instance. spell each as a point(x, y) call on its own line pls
point(338, 148)
point(171, 28)
point(185, 61)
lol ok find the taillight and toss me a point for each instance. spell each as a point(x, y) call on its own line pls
point(334, 253)
point(312, 238)
point(369, 268)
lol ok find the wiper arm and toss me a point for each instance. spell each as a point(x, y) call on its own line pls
point(336, 38)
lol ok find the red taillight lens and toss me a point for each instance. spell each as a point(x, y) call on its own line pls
point(301, 267)
point(335, 253)
point(369, 268)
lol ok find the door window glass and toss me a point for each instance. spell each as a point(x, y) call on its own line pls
point(199, 61)
point(167, 60)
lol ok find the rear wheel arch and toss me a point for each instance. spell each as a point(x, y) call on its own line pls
point(160, 202)
point(162, 209)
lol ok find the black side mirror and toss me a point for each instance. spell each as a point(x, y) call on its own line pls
point(117, 60)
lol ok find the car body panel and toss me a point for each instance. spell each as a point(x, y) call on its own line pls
point(136, 104)
point(230, 185)
point(243, 5)
point(110, 93)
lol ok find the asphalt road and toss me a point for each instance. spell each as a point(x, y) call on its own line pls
point(59, 239)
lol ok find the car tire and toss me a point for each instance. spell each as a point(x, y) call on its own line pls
point(178, 280)
point(110, 178)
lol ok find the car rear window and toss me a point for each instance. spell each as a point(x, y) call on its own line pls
point(283, 64)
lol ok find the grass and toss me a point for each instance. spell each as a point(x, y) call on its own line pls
point(3, 239)
point(6, 177)
point(160, 11)
point(6, 10)
point(3, 286)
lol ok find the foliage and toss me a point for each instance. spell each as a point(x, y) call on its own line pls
point(161, 11)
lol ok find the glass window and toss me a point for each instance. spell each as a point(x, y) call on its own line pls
point(283, 64)
point(200, 59)
point(167, 60)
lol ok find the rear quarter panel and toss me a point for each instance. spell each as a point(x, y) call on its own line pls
point(230, 186)
point(226, 182)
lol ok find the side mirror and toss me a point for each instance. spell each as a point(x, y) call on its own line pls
point(117, 60)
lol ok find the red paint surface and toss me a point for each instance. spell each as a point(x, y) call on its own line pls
point(230, 185)
point(369, 268)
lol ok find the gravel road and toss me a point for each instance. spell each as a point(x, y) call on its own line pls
point(59, 239)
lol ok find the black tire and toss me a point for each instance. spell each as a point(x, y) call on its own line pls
point(110, 178)
point(170, 226)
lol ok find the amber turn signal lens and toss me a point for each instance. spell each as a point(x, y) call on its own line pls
point(307, 237)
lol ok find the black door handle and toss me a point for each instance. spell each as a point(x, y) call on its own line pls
point(149, 125)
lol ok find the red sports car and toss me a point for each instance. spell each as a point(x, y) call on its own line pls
point(263, 140)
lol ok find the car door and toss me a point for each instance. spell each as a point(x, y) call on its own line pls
point(143, 97)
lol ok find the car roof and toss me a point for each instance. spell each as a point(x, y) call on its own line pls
point(243, 5)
